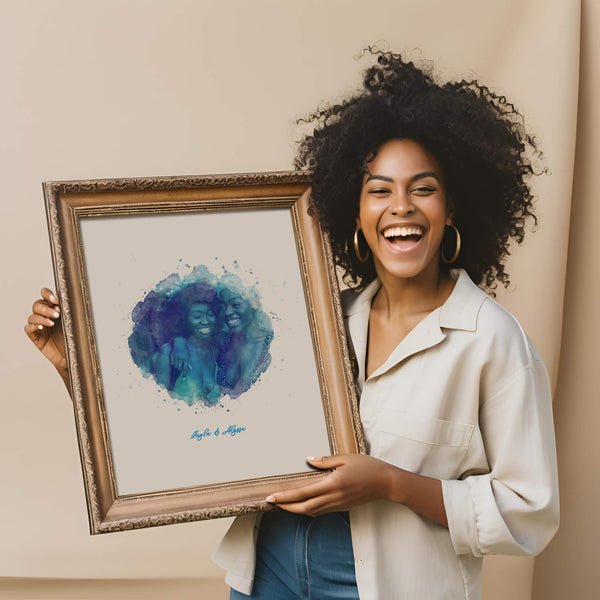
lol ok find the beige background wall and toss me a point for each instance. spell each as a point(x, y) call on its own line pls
point(157, 87)
point(569, 567)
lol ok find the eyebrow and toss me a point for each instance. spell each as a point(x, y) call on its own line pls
point(381, 177)
point(413, 178)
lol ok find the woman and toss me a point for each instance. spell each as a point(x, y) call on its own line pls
point(421, 187)
point(194, 334)
point(244, 353)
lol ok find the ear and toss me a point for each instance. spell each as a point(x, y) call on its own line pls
point(358, 225)
point(449, 212)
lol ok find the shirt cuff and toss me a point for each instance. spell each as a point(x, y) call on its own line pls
point(240, 584)
point(460, 512)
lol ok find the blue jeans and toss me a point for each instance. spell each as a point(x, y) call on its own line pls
point(303, 558)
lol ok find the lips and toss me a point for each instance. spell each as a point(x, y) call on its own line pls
point(403, 238)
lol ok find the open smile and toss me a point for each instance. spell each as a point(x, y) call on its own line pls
point(403, 238)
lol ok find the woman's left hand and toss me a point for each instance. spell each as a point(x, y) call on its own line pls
point(356, 479)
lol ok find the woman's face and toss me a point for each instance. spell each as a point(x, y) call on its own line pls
point(237, 311)
point(201, 319)
point(403, 210)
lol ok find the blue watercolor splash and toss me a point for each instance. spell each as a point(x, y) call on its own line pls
point(201, 337)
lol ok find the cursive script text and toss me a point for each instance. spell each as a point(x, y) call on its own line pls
point(231, 431)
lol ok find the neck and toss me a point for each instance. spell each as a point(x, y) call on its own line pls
point(198, 341)
point(422, 293)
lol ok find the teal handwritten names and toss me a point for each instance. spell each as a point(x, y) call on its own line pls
point(219, 432)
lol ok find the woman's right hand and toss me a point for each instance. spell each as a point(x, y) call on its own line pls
point(180, 356)
point(41, 329)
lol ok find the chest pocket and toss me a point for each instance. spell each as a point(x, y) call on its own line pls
point(420, 444)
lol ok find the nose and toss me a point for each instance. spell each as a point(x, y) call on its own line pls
point(401, 205)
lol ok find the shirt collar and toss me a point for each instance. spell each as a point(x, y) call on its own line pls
point(458, 312)
point(462, 306)
point(354, 303)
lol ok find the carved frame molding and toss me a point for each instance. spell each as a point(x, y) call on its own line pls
point(69, 201)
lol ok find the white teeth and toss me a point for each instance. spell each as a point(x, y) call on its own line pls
point(403, 231)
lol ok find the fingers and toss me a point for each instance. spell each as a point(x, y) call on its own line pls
point(43, 306)
point(318, 498)
point(47, 305)
point(327, 462)
point(42, 310)
point(321, 462)
point(49, 296)
point(322, 487)
point(313, 507)
point(180, 363)
point(319, 504)
point(33, 331)
point(298, 495)
point(36, 319)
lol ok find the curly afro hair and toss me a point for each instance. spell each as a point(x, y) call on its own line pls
point(477, 137)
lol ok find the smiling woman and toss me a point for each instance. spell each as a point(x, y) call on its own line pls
point(245, 355)
point(421, 187)
point(403, 210)
point(194, 312)
point(476, 139)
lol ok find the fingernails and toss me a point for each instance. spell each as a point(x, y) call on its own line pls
point(271, 499)
point(311, 458)
point(55, 315)
point(51, 321)
point(53, 298)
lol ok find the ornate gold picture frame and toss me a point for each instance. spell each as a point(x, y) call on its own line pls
point(205, 343)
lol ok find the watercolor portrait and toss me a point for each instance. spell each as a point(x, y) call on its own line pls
point(202, 337)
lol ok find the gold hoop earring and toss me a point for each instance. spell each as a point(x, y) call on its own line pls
point(456, 252)
point(362, 257)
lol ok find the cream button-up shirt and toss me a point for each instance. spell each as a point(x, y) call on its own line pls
point(464, 398)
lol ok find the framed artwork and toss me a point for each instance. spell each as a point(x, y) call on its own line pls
point(205, 343)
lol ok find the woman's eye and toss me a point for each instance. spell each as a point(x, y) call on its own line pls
point(423, 189)
point(379, 191)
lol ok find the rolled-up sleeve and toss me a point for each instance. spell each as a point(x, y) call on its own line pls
point(514, 508)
